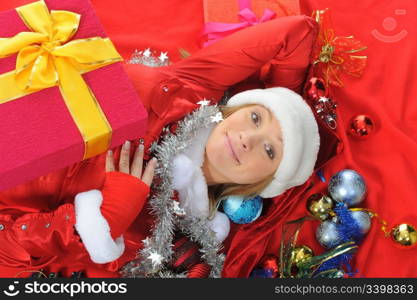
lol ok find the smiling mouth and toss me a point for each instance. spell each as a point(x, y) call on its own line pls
point(231, 149)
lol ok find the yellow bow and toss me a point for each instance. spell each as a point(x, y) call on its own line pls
point(45, 59)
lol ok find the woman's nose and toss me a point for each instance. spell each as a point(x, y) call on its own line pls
point(248, 140)
point(243, 140)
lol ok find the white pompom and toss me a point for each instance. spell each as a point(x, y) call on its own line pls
point(182, 171)
point(220, 224)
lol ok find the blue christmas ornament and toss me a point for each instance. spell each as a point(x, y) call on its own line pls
point(328, 235)
point(348, 226)
point(242, 210)
point(348, 187)
point(363, 220)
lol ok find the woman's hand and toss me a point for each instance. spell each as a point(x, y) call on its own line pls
point(135, 169)
point(120, 200)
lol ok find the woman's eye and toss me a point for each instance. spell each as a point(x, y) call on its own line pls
point(255, 118)
point(270, 151)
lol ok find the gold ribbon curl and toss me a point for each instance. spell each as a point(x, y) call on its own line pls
point(334, 54)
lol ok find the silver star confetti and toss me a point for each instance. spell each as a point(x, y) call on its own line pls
point(148, 58)
point(163, 56)
point(147, 52)
point(217, 118)
point(177, 209)
point(204, 102)
point(156, 258)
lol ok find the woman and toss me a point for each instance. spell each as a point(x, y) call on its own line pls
point(38, 218)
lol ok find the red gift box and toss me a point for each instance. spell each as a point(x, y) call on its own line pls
point(226, 11)
point(40, 131)
point(224, 17)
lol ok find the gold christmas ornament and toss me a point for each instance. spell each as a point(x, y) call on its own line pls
point(300, 254)
point(320, 206)
point(326, 53)
point(404, 234)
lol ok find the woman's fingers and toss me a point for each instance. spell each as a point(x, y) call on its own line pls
point(149, 171)
point(110, 161)
point(137, 164)
point(124, 158)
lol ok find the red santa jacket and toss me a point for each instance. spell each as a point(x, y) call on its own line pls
point(38, 217)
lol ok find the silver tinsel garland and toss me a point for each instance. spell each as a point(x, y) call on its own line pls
point(152, 260)
point(149, 58)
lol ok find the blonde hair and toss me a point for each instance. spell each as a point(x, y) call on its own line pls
point(217, 192)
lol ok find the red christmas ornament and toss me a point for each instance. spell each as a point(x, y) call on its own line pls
point(361, 126)
point(315, 88)
point(316, 94)
point(270, 262)
point(326, 109)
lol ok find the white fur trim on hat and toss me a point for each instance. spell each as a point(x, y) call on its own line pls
point(94, 229)
point(301, 139)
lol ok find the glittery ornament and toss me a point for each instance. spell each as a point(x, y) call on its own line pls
point(300, 254)
point(327, 234)
point(361, 126)
point(320, 206)
point(405, 235)
point(269, 262)
point(315, 88)
point(326, 109)
point(324, 106)
point(242, 210)
point(347, 186)
point(363, 220)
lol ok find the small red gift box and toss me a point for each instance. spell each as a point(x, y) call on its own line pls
point(64, 95)
point(226, 11)
point(226, 17)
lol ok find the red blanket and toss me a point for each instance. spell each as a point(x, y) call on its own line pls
point(386, 92)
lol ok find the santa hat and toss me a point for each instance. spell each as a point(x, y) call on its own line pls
point(300, 135)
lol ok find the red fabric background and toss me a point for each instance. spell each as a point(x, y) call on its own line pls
point(164, 25)
point(386, 93)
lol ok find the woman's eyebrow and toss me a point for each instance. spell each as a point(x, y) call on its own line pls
point(270, 120)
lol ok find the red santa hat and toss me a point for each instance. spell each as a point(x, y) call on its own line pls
point(300, 135)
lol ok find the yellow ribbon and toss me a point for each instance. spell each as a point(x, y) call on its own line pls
point(45, 59)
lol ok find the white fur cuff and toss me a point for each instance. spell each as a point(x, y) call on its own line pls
point(94, 229)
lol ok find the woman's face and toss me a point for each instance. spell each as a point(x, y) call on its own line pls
point(244, 148)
